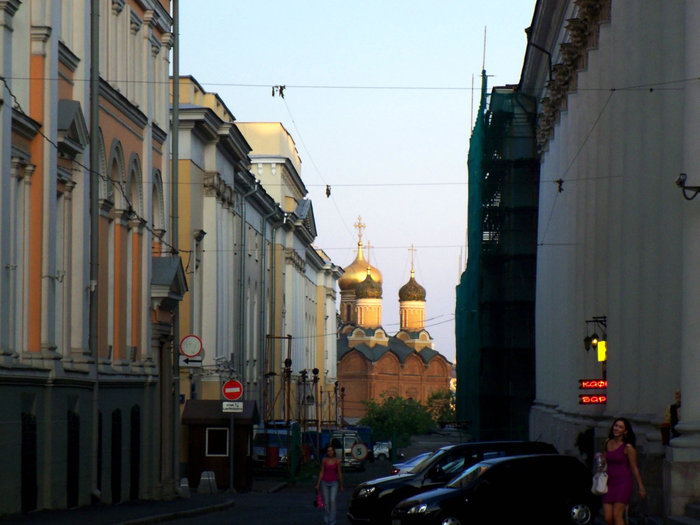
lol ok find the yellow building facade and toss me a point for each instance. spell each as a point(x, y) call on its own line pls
point(85, 322)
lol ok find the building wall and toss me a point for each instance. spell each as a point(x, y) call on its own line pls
point(49, 373)
point(388, 376)
point(616, 241)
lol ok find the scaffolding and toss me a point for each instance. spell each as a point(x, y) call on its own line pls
point(495, 297)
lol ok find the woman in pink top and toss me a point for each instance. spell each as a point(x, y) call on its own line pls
point(621, 458)
point(330, 479)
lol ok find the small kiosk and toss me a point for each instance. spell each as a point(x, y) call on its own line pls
point(208, 442)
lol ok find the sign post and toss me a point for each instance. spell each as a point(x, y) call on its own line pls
point(232, 391)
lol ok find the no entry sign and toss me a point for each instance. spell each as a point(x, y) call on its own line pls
point(232, 390)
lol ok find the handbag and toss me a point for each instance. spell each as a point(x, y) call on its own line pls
point(318, 502)
point(600, 483)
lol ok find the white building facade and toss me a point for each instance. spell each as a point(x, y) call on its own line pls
point(619, 120)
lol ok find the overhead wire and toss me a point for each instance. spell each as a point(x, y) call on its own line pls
point(119, 185)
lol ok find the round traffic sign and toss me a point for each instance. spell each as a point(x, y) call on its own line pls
point(190, 346)
point(232, 390)
point(359, 451)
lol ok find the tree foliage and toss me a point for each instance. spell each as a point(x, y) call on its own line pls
point(442, 408)
point(397, 419)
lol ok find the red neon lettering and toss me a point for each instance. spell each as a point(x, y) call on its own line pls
point(593, 383)
point(593, 400)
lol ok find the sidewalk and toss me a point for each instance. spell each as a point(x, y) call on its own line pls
point(143, 512)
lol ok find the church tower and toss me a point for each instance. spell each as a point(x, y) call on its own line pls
point(368, 301)
point(353, 275)
point(412, 304)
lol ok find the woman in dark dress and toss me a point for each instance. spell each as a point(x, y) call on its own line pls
point(621, 458)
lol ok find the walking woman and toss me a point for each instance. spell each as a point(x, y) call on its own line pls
point(621, 458)
point(330, 479)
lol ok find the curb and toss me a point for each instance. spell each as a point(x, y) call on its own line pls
point(182, 514)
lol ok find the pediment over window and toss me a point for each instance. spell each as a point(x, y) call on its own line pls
point(73, 134)
point(168, 282)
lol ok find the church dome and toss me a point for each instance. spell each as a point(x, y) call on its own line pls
point(357, 272)
point(412, 291)
point(369, 288)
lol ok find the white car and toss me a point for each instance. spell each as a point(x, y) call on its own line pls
point(382, 449)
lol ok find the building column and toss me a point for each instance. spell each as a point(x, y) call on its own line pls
point(683, 456)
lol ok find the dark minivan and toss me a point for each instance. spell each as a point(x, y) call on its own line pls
point(372, 501)
point(543, 489)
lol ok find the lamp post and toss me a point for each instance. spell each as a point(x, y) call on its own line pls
point(342, 407)
point(318, 413)
point(287, 388)
point(335, 391)
point(302, 400)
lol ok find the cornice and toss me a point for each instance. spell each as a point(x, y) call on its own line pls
point(122, 104)
point(581, 35)
point(67, 57)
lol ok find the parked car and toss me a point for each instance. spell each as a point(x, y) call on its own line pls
point(409, 464)
point(382, 449)
point(349, 448)
point(373, 501)
point(543, 489)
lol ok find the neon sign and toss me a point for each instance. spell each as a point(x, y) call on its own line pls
point(592, 400)
point(585, 384)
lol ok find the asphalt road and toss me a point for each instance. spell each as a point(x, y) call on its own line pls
point(293, 504)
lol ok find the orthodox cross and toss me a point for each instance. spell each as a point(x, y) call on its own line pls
point(412, 250)
point(360, 226)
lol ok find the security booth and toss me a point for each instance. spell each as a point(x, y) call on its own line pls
point(208, 443)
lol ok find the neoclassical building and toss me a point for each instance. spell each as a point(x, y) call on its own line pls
point(372, 363)
point(89, 280)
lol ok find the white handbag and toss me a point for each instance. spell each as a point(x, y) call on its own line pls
point(600, 483)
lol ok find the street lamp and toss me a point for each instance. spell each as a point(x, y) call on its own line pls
point(598, 342)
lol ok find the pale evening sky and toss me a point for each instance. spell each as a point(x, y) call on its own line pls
point(378, 99)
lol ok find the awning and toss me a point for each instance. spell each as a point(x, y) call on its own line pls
point(209, 412)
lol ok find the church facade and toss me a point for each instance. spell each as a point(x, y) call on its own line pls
point(373, 363)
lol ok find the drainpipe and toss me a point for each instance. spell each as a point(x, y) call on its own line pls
point(274, 272)
point(263, 302)
point(94, 226)
point(175, 179)
point(241, 282)
point(273, 276)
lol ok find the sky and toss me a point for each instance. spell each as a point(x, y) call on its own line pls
point(380, 98)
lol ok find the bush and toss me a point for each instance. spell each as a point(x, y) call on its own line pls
point(397, 419)
point(441, 405)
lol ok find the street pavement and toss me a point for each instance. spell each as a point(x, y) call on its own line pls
point(275, 499)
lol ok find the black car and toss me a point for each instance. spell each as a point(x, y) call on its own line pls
point(372, 501)
point(544, 489)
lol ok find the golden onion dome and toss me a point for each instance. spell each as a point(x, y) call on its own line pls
point(369, 288)
point(357, 272)
point(412, 291)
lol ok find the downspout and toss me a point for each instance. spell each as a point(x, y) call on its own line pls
point(94, 236)
point(175, 156)
point(273, 279)
point(263, 302)
point(241, 282)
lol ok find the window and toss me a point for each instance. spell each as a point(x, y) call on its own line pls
point(217, 442)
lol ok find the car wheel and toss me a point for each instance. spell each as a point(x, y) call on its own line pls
point(450, 520)
point(580, 513)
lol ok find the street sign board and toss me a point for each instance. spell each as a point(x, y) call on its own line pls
point(232, 390)
point(232, 406)
point(190, 346)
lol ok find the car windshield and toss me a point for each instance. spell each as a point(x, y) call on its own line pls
point(468, 476)
point(415, 462)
